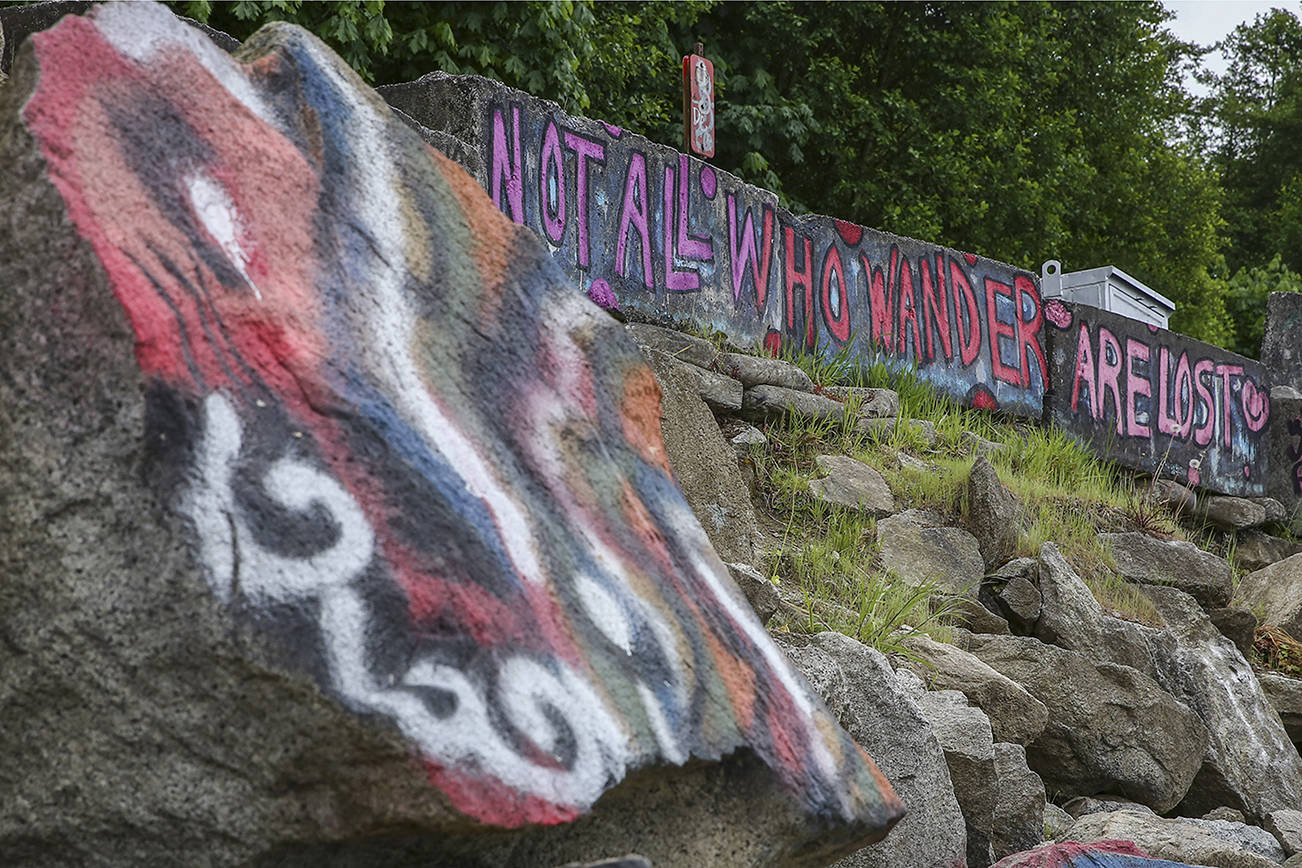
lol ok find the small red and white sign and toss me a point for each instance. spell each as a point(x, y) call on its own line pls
point(698, 105)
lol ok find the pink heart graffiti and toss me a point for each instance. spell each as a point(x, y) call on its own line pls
point(1256, 405)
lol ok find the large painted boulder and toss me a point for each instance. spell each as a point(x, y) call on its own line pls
point(336, 527)
point(1100, 854)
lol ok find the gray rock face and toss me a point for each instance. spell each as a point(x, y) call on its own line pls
point(965, 737)
point(1056, 820)
point(704, 464)
point(1285, 696)
point(1020, 805)
point(994, 513)
point(1238, 625)
point(1251, 838)
point(873, 403)
point(878, 712)
point(1173, 495)
point(853, 485)
point(1232, 513)
point(1165, 839)
point(683, 347)
point(1276, 590)
point(759, 591)
point(722, 394)
point(1250, 764)
point(1013, 592)
point(918, 551)
point(1110, 728)
point(1275, 511)
point(1014, 715)
point(1174, 563)
point(1286, 825)
point(1082, 805)
point(972, 615)
point(774, 402)
point(748, 436)
point(1071, 618)
point(1255, 550)
point(761, 371)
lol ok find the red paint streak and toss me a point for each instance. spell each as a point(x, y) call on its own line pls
point(773, 343)
point(850, 233)
point(495, 803)
point(983, 399)
point(999, 329)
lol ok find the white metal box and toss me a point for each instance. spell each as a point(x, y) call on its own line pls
point(1108, 288)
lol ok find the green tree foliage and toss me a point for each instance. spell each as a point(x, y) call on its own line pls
point(1245, 300)
point(1023, 131)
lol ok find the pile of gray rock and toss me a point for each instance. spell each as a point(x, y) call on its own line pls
point(1048, 717)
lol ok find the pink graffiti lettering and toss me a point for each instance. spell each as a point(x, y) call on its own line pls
point(584, 150)
point(514, 178)
point(633, 215)
point(741, 256)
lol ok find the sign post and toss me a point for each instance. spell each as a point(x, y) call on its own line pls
point(698, 104)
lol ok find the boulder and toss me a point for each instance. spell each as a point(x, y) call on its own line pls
point(1110, 728)
point(774, 402)
point(1172, 495)
point(630, 861)
point(1241, 835)
point(918, 550)
point(886, 721)
point(1285, 696)
point(761, 371)
point(1014, 715)
point(1224, 813)
point(747, 436)
point(1056, 820)
point(965, 737)
point(1255, 550)
point(1166, 839)
point(1232, 513)
point(1286, 825)
point(994, 514)
point(852, 484)
point(722, 394)
point(1019, 804)
point(975, 444)
point(704, 465)
point(1238, 625)
point(1102, 804)
point(1276, 592)
point(683, 347)
point(873, 403)
point(1012, 591)
point(1100, 854)
point(1071, 618)
point(1276, 512)
point(1250, 764)
point(338, 527)
point(1142, 559)
point(971, 614)
point(759, 591)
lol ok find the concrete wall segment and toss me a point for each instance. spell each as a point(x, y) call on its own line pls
point(677, 241)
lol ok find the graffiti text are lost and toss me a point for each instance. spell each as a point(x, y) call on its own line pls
point(1159, 401)
point(676, 240)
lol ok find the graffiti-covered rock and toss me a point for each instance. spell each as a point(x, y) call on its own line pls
point(1158, 401)
point(337, 526)
point(677, 240)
